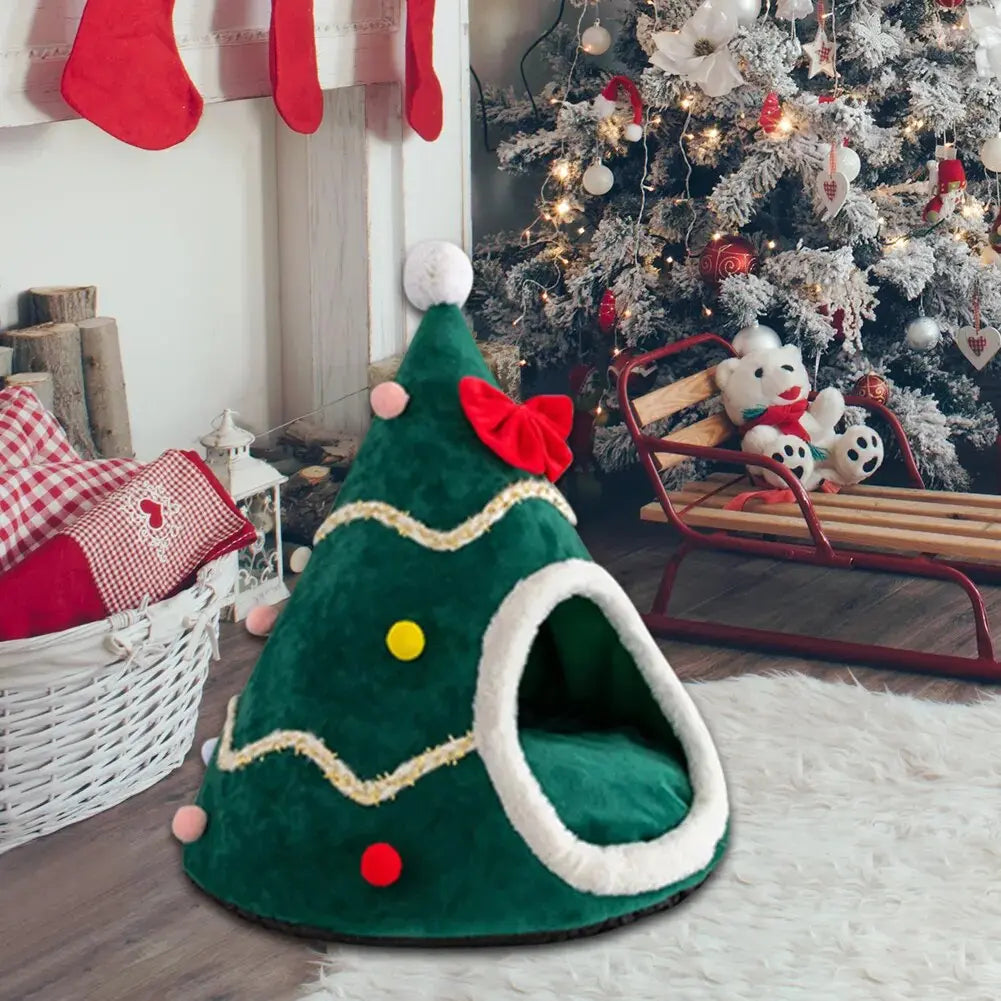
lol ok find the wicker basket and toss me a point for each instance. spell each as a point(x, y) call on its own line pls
point(94, 715)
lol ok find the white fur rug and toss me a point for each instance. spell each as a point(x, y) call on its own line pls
point(865, 865)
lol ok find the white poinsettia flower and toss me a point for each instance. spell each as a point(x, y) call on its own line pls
point(699, 52)
point(985, 24)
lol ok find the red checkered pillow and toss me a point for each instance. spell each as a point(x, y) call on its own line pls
point(29, 434)
point(36, 502)
point(141, 542)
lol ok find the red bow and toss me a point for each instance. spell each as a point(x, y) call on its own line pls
point(530, 436)
point(785, 418)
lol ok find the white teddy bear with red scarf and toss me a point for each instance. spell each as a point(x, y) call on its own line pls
point(766, 396)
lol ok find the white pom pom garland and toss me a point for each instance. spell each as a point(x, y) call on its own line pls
point(437, 273)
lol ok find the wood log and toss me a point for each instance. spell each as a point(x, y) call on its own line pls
point(62, 303)
point(55, 348)
point(104, 385)
point(315, 445)
point(6, 362)
point(40, 383)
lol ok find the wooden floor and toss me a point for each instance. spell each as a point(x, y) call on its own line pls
point(102, 912)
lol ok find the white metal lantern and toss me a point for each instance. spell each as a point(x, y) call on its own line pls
point(255, 486)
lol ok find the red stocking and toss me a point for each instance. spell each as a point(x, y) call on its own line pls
point(292, 58)
point(423, 89)
point(126, 76)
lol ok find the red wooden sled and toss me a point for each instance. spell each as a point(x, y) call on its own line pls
point(954, 537)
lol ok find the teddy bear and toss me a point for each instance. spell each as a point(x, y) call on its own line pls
point(766, 393)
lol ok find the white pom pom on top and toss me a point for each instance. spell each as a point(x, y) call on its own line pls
point(437, 273)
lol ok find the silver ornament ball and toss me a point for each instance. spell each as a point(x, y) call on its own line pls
point(990, 153)
point(598, 179)
point(848, 162)
point(756, 337)
point(923, 334)
point(596, 40)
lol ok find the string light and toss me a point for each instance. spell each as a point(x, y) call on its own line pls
point(563, 208)
point(627, 313)
point(785, 124)
point(580, 231)
point(771, 244)
point(717, 237)
point(706, 311)
point(561, 170)
point(669, 260)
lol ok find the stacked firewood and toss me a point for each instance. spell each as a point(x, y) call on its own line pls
point(71, 358)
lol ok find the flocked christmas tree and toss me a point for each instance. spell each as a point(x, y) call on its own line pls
point(825, 169)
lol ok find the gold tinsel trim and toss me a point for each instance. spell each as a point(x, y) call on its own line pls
point(456, 538)
point(364, 792)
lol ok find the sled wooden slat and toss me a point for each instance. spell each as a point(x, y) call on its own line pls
point(890, 523)
point(708, 433)
point(991, 501)
point(680, 395)
point(762, 520)
point(888, 510)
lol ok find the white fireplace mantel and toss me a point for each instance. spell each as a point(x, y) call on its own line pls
point(351, 199)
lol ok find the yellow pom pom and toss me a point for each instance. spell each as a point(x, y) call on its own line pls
point(405, 640)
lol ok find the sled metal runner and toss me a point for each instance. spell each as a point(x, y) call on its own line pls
point(909, 531)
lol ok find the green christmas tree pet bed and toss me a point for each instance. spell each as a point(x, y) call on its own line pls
point(459, 730)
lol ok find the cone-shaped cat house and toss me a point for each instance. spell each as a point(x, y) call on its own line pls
point(460, 730)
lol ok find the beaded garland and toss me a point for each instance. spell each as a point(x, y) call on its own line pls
point(453, 539)
point(364, 792)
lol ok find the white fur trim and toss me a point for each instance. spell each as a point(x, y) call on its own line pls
point(604, 106)
point(633, 132)
point(605, 870)
point(437, 273)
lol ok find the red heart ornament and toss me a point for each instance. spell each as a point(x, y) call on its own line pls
point(529, 436)
point(153, 511)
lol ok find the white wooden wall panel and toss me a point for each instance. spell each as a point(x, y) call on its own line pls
point(414, 191)
point(351, 199)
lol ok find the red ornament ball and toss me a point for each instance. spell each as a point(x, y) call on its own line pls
point(608, 315)
point(381, 865)
point(873, 387)
point(950, 4)
point(729, 255)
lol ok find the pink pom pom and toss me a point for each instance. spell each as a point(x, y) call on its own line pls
point(261, 620)
point(189, 824)
point(389, 400)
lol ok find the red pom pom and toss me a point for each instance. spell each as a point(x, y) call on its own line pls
point(381, 865)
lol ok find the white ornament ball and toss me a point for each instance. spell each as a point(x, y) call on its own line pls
point(990, 153)
point(923, 334)
point(745, 11)
point(596, 40)
point(437, 273)
point(633, 132)
point(848, 162)
point(989, 257)
point(598, 179)
point(756, 337)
